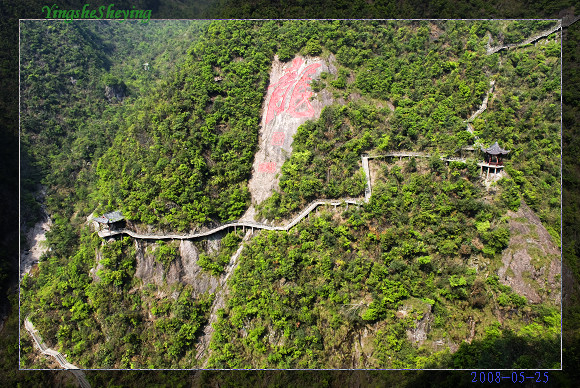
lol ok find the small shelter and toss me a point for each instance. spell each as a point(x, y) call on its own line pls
point(494, 155)
point(493, 158)
point(112, 220)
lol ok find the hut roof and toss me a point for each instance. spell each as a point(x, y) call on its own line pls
point(495, 149)
point(111, 217)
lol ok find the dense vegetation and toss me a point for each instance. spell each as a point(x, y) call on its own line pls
point(215, 262)
point(425, 244)
point(77, 89)
point(525, 115)
point(76, 96)
point(186, 162)
point(104, 322)
point(293, 9)
point(177, 153)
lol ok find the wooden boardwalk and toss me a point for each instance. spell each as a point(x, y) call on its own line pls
point(404, 154)
point(365, 164)
point(57, 355)
point(255, 225)
point(234, 224)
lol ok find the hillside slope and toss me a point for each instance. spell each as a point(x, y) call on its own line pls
point(410, 279)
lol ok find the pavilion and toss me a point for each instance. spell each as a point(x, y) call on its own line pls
point(493, 158)
point(111, 220)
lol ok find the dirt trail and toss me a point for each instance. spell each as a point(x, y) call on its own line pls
point(82, 380)
point(483, 106)
point(532, 39)
point(289, 103)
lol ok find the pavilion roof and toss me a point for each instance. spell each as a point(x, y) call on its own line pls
point(495, 149)
point(108, 218)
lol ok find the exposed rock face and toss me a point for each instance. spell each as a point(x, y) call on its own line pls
point(35, 238)
point(289, 103)
point(213, 242)
point(93, 271)
point(117, 91)
point(147, 269)
point(418, 334)
point(192, 273)
point(363, 348)
point(184, 269)
point(531, 262)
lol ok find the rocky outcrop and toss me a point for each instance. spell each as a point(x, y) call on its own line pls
point(116, 92)
point(93, 271)
point(147, 269)
point(289, 102)
point(191, 272)
point(35, 245)
point(184, 269)
point(418, 334)
point(531, 262)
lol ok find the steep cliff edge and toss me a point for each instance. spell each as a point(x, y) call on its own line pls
point(183, 269)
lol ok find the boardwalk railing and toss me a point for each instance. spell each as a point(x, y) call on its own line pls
point(246, 224)
point(313, 205)
point(57, 355)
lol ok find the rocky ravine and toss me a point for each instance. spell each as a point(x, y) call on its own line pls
point(35, 238)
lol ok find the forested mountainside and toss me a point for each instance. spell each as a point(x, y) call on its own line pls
point(409, 279)
point(434, 81)
point(79, 82)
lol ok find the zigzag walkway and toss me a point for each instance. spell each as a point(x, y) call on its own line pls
point(57, 355)
point(493, 50)
point(298, 218)
point(313, 205)
point(365, 165)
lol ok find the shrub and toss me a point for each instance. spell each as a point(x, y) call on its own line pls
point(510, 197)
point(370, 314)
point(455, 281)
point(503, 300)
point(165, 254)
point(518, 300)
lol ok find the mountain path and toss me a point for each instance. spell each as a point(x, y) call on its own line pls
point(81, 378)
